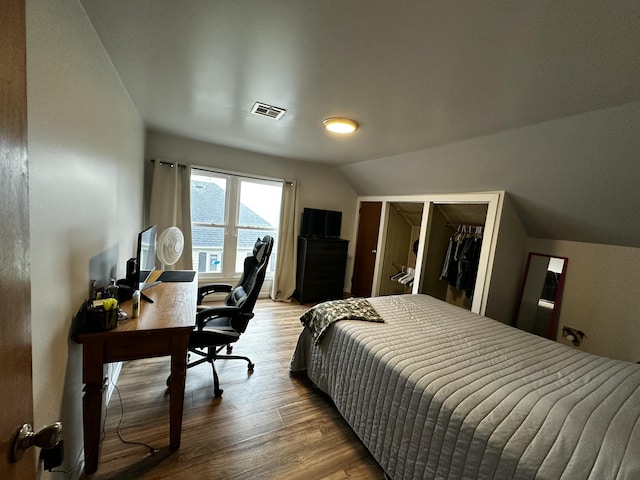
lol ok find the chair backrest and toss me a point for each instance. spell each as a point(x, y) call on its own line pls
point(246, 291)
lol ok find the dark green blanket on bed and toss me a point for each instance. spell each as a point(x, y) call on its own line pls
point(317, 319)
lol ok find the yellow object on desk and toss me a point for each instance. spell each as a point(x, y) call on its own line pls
point(101, 315)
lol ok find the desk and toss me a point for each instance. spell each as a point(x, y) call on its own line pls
point(162, 328)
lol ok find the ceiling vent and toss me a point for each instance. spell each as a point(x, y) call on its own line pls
point(267, 110)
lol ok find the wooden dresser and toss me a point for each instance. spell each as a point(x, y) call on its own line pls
point(321, 269)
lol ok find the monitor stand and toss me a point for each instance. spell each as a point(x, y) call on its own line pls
point(144, 287)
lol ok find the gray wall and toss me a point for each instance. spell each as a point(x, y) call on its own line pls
point(86, 143)
point(570, 179)
point(319, 186)
point(598, 295)
point(86, 175)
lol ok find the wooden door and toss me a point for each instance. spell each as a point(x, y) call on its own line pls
point(16, 397)
point(366, 244)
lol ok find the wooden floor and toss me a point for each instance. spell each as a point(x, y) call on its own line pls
point(267, 425)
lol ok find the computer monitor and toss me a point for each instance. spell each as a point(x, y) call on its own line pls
point(146, 255)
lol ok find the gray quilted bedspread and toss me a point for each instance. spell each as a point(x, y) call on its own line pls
point(436, 392)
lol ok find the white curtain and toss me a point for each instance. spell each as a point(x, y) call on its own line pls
point(284, 281)
point(171, 205)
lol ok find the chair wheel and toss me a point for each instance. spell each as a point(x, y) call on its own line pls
point(229, 349)
point(250, 367)
point(218, 393)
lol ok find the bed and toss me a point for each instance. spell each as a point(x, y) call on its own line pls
point(437, 392)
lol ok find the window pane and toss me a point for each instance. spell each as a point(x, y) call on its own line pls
point(246, 240)
point(207, 248)
point(207, 199)
point(259, 204)
point(228, 214)
point(214, 263)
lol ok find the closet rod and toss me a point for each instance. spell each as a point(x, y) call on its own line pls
point(463, 224)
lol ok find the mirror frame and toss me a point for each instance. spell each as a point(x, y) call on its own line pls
point(551, 330)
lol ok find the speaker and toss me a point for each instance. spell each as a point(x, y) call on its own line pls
point(132, 271)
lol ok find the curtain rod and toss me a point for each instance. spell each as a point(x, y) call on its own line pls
point(204, 169)
point(170, 164)
point(242, 175)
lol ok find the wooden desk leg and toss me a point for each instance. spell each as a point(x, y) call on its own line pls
point(92, 404)
point(179, 344)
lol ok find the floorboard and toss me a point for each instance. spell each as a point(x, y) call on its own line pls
point(266, 425)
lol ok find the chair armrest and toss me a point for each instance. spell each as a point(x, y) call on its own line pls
point(210, 288)
point(206, 315)
point(238, 320)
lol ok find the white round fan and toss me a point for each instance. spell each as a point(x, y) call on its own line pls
point(169, 246)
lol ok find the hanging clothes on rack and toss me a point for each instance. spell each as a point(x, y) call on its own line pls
point(449, 260)
point(462, 258)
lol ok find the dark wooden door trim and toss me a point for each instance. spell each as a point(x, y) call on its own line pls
point(16, 396)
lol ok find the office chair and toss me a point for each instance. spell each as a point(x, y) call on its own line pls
point(218, 328)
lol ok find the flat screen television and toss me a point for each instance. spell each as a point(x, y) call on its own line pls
point(146, 255)
point(321, 223)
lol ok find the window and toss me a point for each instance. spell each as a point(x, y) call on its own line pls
point(228, 214)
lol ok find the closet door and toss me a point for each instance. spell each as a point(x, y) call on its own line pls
point(366, 244)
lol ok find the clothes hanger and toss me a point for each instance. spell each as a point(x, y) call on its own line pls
point(401, 272)
point(408, 277)
point(397, 276)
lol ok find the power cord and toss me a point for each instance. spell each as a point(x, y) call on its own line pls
point(152, 450)
point(78, 464)
point(573, 335)
point(79, 461)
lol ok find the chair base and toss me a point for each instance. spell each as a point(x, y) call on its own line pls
point(211, 356)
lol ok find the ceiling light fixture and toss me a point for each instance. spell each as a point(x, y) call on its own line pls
point(340, 125)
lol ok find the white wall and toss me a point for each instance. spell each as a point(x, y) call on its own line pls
point(319, 186)
point(86, 144)
point(600, 295)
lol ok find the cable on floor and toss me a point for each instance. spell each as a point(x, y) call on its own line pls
point(152, 450)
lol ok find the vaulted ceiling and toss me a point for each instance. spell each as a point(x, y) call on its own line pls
point(414, 74)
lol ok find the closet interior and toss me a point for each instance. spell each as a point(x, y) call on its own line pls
point(465, 249)
point(451, 255)
point(403, 232)
point(453, 252)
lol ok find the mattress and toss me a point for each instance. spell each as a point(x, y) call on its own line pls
point(437, 392)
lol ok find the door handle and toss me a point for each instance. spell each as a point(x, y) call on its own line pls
point(374, 252)
point(25, 437)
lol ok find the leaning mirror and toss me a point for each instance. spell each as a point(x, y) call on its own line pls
point(541, 292)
